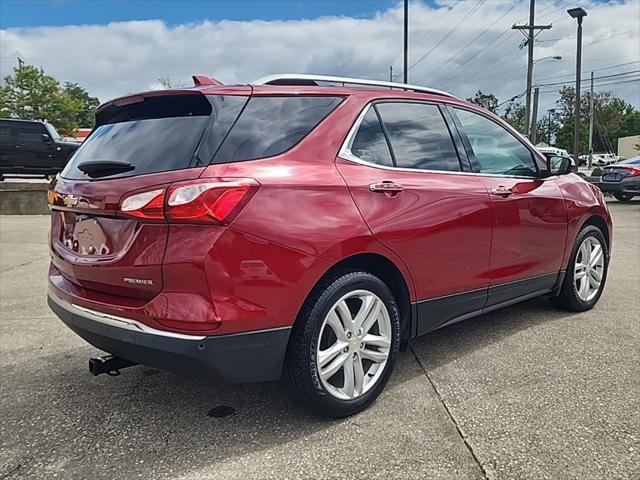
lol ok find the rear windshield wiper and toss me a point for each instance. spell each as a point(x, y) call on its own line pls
point(104, 167)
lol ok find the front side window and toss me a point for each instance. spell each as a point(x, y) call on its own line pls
point(419, 136)
point(369, 144)
point(496, 150)
point(30, 137)
point(269, 126)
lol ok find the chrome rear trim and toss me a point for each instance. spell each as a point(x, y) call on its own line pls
point(118, 322)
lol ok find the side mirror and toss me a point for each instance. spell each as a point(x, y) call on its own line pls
point(559, 165)
point(46, 138)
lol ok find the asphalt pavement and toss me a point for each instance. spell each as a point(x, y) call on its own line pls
point(526, 392)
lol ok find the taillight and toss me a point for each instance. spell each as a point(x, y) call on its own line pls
point(199, 201)
point(208, 201)
point(633, 171)
point(145, 205)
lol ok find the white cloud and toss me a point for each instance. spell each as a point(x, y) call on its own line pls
point(118, 58)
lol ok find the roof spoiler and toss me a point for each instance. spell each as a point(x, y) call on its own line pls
point(203, 80)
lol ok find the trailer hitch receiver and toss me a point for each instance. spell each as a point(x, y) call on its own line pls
point(110, 364)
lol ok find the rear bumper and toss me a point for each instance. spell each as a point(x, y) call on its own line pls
point(629, 185)
point(236, 358)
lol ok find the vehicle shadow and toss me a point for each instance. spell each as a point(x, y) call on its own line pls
point(146, 422)
point(454, 342)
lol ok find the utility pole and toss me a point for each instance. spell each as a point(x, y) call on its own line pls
point(390, 73)
point(406, 39)
point(531, 29)
point(591, 124)
point(534, 116)
point(551, 110)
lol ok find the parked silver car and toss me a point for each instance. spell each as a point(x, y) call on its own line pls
point(622, 179)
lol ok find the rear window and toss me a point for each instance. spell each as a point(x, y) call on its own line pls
point(419, 136)
point(270, 126)
point(157, 134)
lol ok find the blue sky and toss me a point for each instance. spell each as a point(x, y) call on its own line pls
point(34, 13)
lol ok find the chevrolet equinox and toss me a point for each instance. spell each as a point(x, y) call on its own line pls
point(306, 228)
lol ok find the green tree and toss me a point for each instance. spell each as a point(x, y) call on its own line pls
point(485, 100)
point(29, 93)
point(514, 115)
point(613, 118)
point(86, 116)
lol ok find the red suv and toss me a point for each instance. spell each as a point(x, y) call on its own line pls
point(307, 228)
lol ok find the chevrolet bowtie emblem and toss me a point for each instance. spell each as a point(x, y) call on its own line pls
point(70, 200)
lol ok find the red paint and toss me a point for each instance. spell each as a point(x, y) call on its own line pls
point(529, 228)
point(440, 225)
point(446, 233)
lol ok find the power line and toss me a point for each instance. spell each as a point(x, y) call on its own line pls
point(474, 39)
point(486, 52)
point(450, 32)
point(619, 82)
point(611, 36)
point(591, 70)
point(429, 30)
point(586, 79)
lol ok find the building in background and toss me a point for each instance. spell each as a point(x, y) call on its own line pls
point(79, 135)
point(629, 147)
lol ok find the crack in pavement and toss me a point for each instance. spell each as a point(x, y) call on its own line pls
point(485, 474)
point(25, 263)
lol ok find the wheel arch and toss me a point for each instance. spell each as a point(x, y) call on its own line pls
point(599, 222)
point(385, 269)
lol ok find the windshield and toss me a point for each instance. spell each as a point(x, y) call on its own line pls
point(52, 131)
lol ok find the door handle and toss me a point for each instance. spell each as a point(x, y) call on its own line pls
point(502, 191)
point(386, 187)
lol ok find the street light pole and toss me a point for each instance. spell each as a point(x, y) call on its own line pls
point(578, 14)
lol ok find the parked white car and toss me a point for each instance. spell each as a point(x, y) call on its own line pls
point(602, 159)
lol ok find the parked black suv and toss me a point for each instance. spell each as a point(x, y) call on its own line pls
point(32, 147)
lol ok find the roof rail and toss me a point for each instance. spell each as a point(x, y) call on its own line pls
point(309, 79)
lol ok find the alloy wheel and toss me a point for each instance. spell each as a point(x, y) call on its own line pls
point(354, 345)
point(588, 269)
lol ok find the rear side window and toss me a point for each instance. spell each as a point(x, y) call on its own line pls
point(496, 150)
point(158, 134)
point(419, 136)
point(269, 126)
point(369, 144)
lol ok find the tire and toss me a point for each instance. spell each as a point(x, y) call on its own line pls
point(316, 331)
point(623, 197)
point(572, 296)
